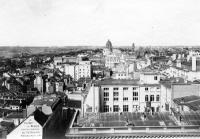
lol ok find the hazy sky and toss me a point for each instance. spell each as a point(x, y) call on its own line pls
point(92, 22)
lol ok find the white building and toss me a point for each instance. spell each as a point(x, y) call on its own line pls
point(189, 73)
point(143, 63)
point(38, 83)
point(92, 101)
point(58, 61)
point(149, 78)
point(128, 95)
point(112, 60)
point(83, 70)
point(69, 70)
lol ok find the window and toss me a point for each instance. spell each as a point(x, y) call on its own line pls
point(157, 98)
point(135, 93)
point(115, 93)
point(146, 89)
point(106, 108)
point(106, 96)
point(155, 78)
point(106, 99)
point(125, 108)
point(115, 99)
point(115, 88)
point(135, 107)
point(115, 108)
point(125, 98)
point(152, 98)
point(106, 89)
point(146, 98)
point(134, 88)
point(135, 96)
point(125, 88)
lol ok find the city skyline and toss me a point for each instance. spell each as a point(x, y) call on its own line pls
point(91, 23)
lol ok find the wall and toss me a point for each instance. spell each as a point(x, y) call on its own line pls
point(69, 69)
point(92, 99)
point(28, 129)
point(182, 90)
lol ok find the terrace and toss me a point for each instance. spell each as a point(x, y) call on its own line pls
point(126, 119)
point(130, 123)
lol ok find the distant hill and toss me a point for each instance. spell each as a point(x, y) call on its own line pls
point(8, 52)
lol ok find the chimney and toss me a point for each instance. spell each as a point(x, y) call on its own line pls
point(178, 63)
point(188, 58)
point(194, 63)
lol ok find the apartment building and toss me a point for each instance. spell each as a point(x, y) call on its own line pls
point(83, 70)
point(69, 69)
point(128, 95)
point(111, 61)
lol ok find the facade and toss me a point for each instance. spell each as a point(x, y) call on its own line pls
point(38, 83)
point(83, 70)
point(111, 61)
point(119, 95)
point(58, 61)
point(189, 71)
point(130, 97)
point(69, 70)
point(29, 128)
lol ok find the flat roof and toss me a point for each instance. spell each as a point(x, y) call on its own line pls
point(118, 82)
point(124, 119)
point(124, 82)
point(150, 73)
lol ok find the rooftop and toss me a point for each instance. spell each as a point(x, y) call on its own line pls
point(125, 119)
point(118, 82)
point(193, 102)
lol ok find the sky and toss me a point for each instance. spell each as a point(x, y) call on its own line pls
point(93, 22)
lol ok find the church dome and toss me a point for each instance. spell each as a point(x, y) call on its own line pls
point(109, 45)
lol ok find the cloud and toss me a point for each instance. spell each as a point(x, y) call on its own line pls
point(92, 22)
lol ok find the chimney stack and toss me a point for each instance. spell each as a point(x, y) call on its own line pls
point(194, 63)
point(178, 63)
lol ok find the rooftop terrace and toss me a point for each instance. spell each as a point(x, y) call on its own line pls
point(126, 119)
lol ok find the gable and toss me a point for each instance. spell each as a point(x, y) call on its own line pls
point(28, 129)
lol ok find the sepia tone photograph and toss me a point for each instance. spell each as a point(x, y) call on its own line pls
point(99, 69)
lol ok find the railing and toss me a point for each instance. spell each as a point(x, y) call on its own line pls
point(136, 129)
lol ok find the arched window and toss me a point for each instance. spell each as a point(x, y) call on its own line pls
point(152, 98)
point(157, 98)
point(146, 98)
